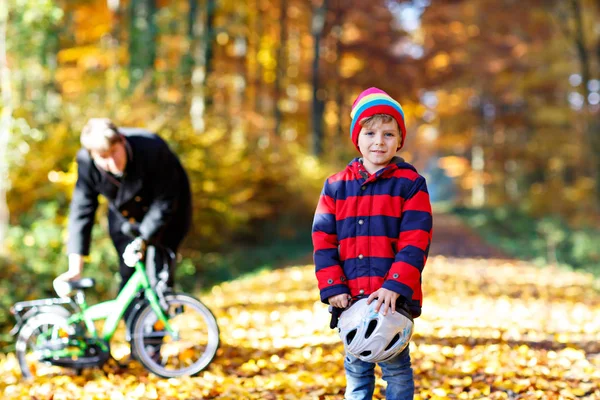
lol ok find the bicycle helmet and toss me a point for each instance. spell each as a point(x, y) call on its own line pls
point(371, 336)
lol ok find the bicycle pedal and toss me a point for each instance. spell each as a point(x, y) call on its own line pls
point(124, 362)
point(179, 310)
point(123, 365)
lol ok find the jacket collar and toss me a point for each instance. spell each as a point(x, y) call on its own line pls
point(358, 169)
point(133, 177)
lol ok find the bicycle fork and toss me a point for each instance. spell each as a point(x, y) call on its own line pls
point(155, 303)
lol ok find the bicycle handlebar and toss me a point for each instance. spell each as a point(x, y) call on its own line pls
point(131, 229)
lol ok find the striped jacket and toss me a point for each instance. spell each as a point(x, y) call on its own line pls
point(373, 231)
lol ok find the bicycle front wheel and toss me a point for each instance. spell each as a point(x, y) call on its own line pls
point(189, 350)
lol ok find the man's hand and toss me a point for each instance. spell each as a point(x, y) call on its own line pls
point(61, 287)
point(340, 301)
point(73, 273)
point(69, 276)
point(75, 268)
point(134, 252)
point(384, 297)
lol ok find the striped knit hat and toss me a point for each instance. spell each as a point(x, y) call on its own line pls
point(375, 101)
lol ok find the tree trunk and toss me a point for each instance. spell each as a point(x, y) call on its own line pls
point(258, 82)
point(318, 21)
point(480, 142)
point(595, 125)
point(478, 164)
point(582, 52)
point(591, 125)
point(5, 125)
point(142, 40)
point(281, 56)
point(202, 53)
point(339, 82)
point(112, 48)
point(187, 61)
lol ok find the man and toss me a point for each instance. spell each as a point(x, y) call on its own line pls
point(146, 186)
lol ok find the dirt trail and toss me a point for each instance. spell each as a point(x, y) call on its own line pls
point(453, 238)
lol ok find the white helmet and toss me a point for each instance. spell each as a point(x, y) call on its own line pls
point(371, 336)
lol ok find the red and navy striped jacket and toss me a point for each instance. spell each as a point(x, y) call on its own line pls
point(373, 231)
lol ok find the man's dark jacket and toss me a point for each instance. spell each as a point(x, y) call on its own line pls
point(153, 195)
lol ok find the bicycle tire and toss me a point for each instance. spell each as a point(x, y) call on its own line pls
point(49, 324)
point(166, 356)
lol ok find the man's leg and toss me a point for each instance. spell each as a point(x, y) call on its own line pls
point(125, 271)
point(399, 377)
point(159, 271)
point(360, 378)
point(160, 265)
point(120, 242)
point(170, 243)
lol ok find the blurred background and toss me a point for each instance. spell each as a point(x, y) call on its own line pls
point(501, 99)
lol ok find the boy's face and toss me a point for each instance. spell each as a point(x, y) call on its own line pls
point(378, 144)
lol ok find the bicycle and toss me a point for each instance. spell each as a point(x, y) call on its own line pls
point(171, 334)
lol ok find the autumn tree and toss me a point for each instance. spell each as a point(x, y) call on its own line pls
point(576, 19)
point(5, 124)
point(502, 100)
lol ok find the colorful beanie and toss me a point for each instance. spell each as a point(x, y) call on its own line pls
point(375, 101)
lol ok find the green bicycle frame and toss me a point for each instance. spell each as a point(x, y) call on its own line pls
point(112, 311)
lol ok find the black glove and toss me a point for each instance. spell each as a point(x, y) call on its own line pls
point(131, 229)
point(335, 316)
point(402, 307)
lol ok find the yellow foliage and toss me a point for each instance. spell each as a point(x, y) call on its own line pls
point(575, 201)
point(350, 65)
point(489, 328)
point(454, 166)
point(440, 61)
point(350, 33)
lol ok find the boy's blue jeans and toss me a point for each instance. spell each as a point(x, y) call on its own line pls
point(360, 378)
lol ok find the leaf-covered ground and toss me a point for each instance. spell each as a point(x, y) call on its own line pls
point(490, 329)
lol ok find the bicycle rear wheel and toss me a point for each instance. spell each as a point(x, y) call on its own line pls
point(41, 334)
point(186, 353)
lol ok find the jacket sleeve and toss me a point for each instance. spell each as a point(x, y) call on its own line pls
point(82, 210)
point(416, 223)
point(166, 184)
point(330, 275)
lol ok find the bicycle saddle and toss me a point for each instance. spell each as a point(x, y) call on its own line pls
point(83, 283)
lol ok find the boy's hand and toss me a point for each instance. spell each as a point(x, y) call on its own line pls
point(384, 297)
point(340, 301)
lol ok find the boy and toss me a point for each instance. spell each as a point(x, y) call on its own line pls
point(371, 234)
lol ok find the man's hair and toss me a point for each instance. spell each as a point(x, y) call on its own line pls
point(375, 120)
point(99, 134)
